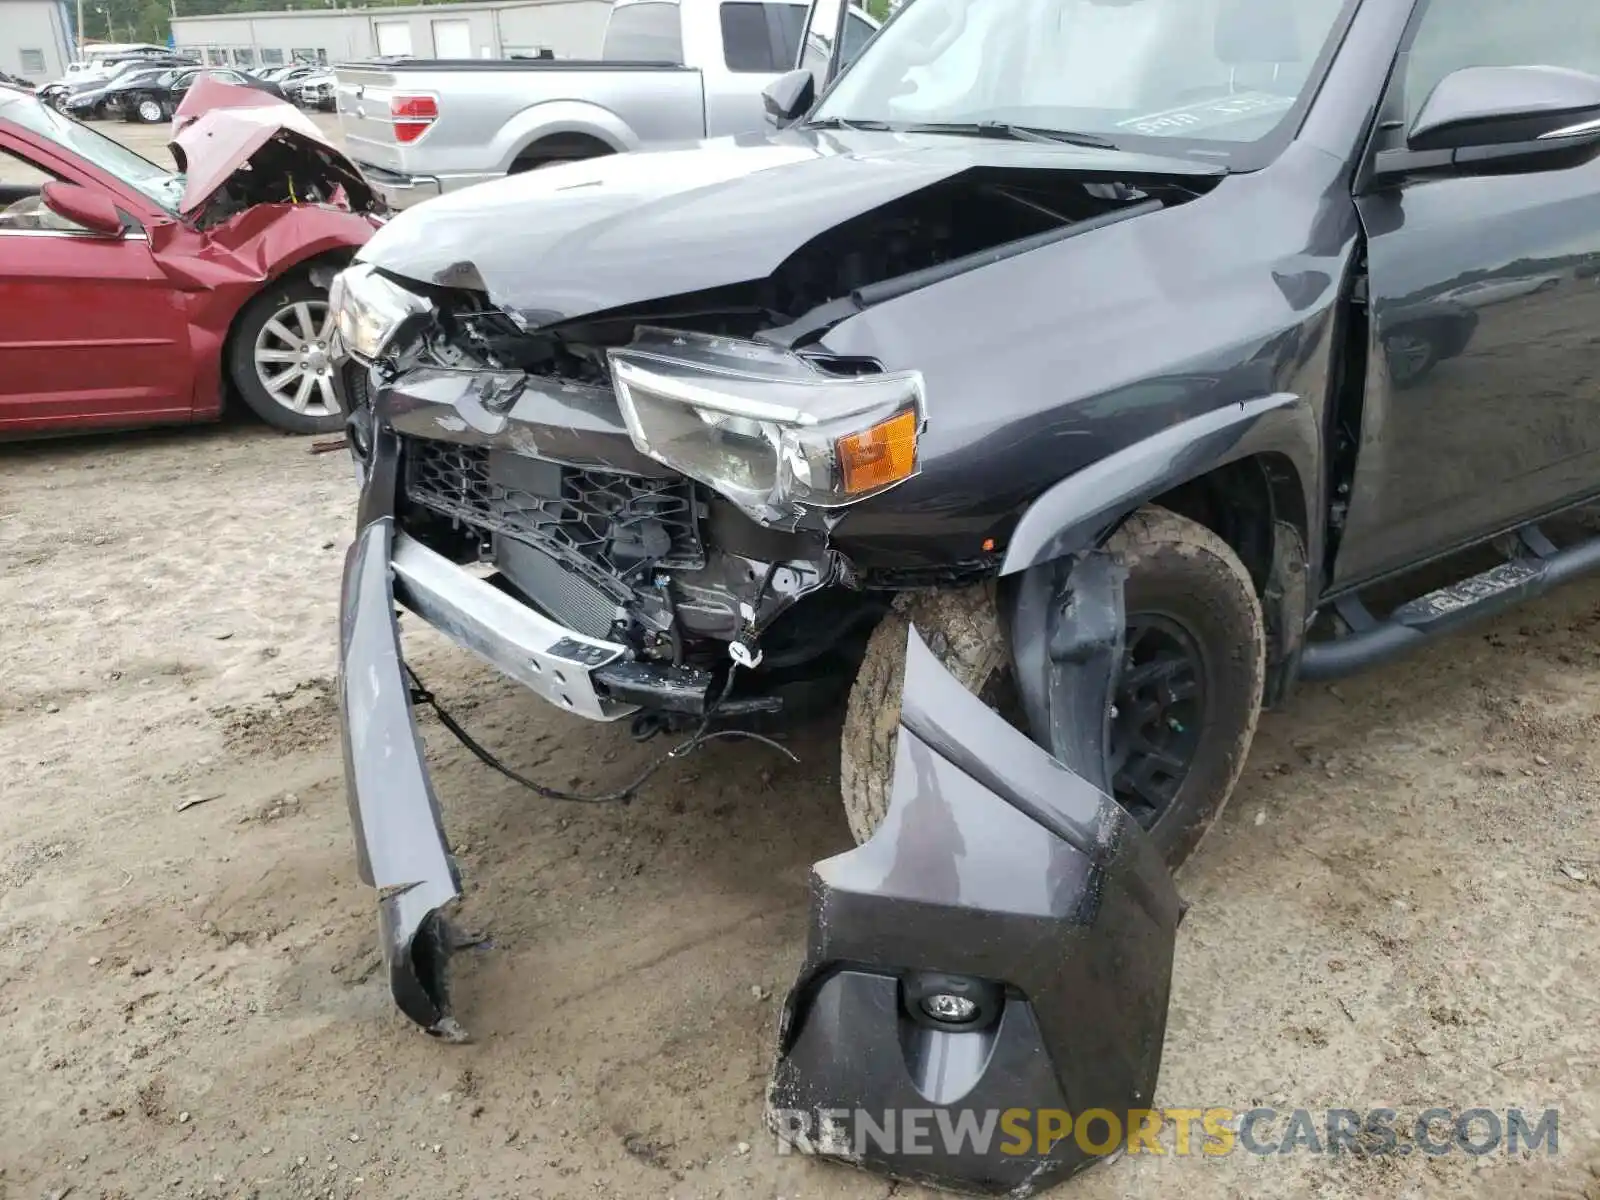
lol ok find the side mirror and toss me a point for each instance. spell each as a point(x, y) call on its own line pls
point(93, 210)
point(789, 97)
point(1483, 120)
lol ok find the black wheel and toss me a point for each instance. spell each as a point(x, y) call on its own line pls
point(278, 357)
point(1186, 701)
point(1189, 693)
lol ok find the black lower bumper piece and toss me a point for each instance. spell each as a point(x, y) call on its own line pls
point(984, 997)
point(399, 835)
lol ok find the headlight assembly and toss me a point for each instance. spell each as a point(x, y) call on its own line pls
point(368, 309)
point(763, 427)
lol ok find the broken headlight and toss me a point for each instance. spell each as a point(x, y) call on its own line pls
point(765, 428)
point(368, 309)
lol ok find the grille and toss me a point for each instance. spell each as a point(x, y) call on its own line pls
point(602, 526)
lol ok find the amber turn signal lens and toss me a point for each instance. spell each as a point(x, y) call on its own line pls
point(877, 457)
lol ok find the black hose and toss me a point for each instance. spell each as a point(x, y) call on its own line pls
point(702, 735)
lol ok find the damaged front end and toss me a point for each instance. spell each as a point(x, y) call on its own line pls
point(671, 495)
point(667, 473)
point(240, 149)
point(633, 502)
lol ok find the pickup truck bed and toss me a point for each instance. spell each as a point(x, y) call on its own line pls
point(486, 125)
point(671, 72)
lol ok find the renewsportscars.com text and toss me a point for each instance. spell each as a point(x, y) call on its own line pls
point(1181, 1132)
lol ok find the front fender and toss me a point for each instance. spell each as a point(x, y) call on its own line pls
point(552, 117)
point(258, 244)
point(219, 270)
point(1076, 513)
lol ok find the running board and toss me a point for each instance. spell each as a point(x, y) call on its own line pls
point(1533, 567)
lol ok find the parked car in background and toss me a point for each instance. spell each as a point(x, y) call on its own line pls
point(92, 72)
point(288, 77)
point(83, 97)
point(317, 90)
point(157, 98)
point(669, 71)
point(16, 81)
point(106, 97)
point(137, 295)
point(142, 95)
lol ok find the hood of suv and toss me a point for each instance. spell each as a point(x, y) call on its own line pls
point(586, 237)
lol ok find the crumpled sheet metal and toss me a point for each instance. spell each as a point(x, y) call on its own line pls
point(219, 126)
point(1001, 868)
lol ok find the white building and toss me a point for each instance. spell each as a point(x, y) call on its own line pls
point(497, 29)
point(35, 39)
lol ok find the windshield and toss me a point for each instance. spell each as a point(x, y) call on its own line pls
point(1203, 76)
point(160, 185)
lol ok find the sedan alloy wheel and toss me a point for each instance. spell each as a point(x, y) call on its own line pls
point(292, 358)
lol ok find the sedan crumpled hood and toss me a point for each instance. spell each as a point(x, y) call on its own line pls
point(586, 237)
point(220, 127)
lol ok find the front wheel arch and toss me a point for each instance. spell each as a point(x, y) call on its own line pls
point(1173, 563)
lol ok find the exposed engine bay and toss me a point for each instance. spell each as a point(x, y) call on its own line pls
point(287, 169)
point(657, 561)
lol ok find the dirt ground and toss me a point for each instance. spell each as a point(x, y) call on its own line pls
point(1398, 910)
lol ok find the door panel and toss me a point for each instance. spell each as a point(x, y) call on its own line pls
point(1483, 384)
point(94, 334)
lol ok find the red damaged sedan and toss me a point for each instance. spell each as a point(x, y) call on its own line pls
point(136, 295)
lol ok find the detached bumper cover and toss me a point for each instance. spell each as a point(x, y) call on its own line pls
point(997, 865)
point(400, 841)
point(401, 847)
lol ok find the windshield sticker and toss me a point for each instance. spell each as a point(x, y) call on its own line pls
point(1222, 111)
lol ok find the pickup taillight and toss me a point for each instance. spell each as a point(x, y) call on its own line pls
point(412, 115)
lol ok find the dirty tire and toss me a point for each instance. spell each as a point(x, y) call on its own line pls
point(1180, 569)
point(1176, 568)
point(241, 357)
point(962, 629)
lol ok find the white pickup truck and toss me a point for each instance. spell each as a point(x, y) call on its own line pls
point(670, 71)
